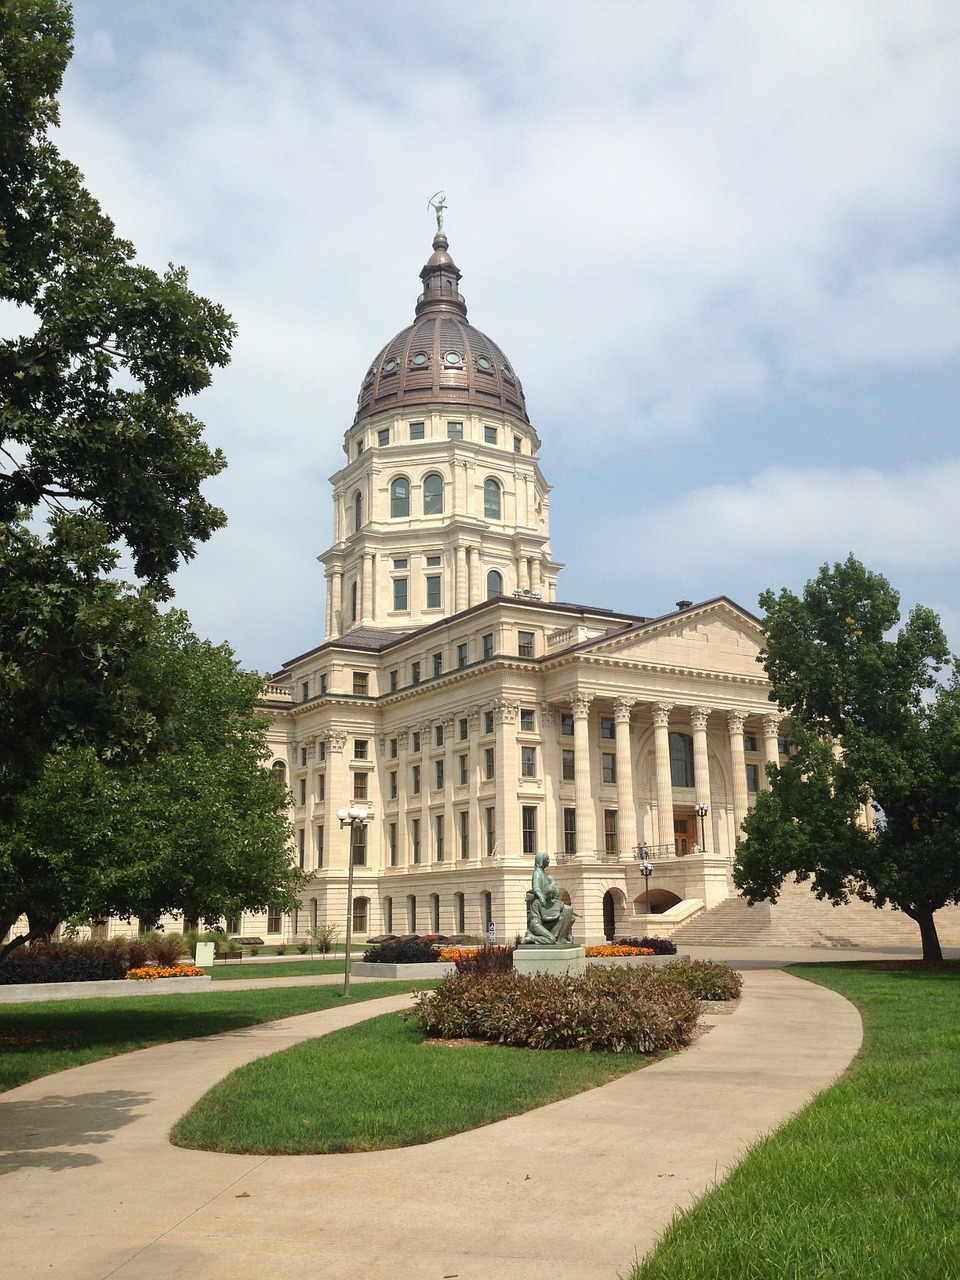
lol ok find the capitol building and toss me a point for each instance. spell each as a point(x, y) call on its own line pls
point(475, 713)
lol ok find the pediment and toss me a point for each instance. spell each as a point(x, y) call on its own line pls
point(717, 637)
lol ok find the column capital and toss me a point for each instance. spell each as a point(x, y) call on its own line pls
point(736, 721)
point(547, 715)
point(505, 712)
point(661, 714)
point(621, 710)
point(699, 717)
point(336, 739)
point(771, 724)
point(402, 738)
point(473, 719)
point(581, 705)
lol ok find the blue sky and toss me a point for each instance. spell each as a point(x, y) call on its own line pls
point(719, 243)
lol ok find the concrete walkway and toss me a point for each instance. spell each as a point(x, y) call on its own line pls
point(90, 1188)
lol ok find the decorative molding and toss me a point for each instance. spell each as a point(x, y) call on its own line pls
point(336, 740)
point(547, 714)
point(505, 712)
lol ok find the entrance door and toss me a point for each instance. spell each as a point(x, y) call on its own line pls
point(682, 835)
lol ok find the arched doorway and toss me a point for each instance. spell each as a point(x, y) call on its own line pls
point(609, 916)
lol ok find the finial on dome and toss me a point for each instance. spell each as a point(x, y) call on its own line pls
point(438, 207)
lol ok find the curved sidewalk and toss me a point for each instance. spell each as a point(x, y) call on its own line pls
point(90, 1187)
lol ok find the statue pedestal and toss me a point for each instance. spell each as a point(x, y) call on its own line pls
point(560, 960)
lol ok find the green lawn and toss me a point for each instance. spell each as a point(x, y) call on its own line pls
point(383, 1087)
point(864, 1184)
point(38, 1039)
point(232, 970)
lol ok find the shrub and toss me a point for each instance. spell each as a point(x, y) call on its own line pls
point(167, 949)
point(325, 937)
point(403, 951)
point(658, 946)
point(706, 979)
point(478, 963)
point(254, 951)
point(280, 949)
point(136, 953)
point(606, 1010)
point(66, 962)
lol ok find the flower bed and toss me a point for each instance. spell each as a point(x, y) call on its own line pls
point(151, 972)
point(609, 950)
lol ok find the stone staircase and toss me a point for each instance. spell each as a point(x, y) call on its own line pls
point(799, 919)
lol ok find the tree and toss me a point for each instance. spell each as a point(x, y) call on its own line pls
point(872, 730)
point(200, 827)
point(90, 424)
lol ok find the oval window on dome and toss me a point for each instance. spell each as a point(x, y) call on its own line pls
point(453, 357)
point(389, 365)
point(484, 364)
point(419, 359)
point(507, 374)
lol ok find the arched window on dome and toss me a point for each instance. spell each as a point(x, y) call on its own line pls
point(400, 497)
point(494, 584)
point(491, 500)
point(357, 511)
point(433, 495)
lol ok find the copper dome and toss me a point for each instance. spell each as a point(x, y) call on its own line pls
point(440, 357)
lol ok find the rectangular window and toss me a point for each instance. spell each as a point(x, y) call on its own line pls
point(463, 651)
point(273, 920)
point(360, 915)
point(383, 436)
point(359, 786)
point(321, 750)
point(490, 830)
point(516, 444)
point(567, 766)
point(323, 684)
point(301, 846)
point(528, 828)
point(359, 448)
point(393, 748)
point(394, 680)
point(464, 821)
point(438, 837)
point(488, 722)
point(433, 591)
point(320, 844)
point(464, 728)
point(438, 734)
point(361, 683)
point(305, 691)
point(303, 791)
point(570, 831)
point(525, 640)
point(463, 767)
point(303, 756)
point(438, 664)
point(416, 430)
point(611, 836)
point(566, 724)
point(438, 773)
point(432, 562)
point(607, 728)
point(392, 843)
point(321, 786)
point(400, 563)
point(489, 763)
point(783, 744)
point(750, 742)
point(415, 742)
point(487, 643)
point(608, 766)
point(528, 720)
point(394, 784)
point(415, 839)
point(360, 746)
point(415, 779)
point(400, 595)
point(454, 430)
point(489, 435)
point(414, 672)
point(528, 762)
point(753, 778)
point(359, 844)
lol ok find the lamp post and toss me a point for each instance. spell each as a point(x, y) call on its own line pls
point(701, 812)
point(352, 818)
point(646, 870)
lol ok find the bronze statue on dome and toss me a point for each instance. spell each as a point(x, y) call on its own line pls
point(438, 207)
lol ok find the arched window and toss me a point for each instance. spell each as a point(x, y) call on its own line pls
point(486, 907)
point(279, 771)
point(681, 760)
point(459, 912)
point(388, 915)
point(433, 495)
point(357, 511)
point(353, 601)
point(491, 500)
point(494, 584)
point(360, 906)
point(412, 912)
point(435, 912)
point(400, 497)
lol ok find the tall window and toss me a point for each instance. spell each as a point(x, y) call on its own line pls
point(489, 763)
point(360, 914)
point(353, 601)
point(412, 913)
point(464, 822)
point(414, 672)
point(361, 683)
point(525, 641)
point(415, 839)
point(528, 828)
point(392, 843)
point(415, 779)
point(611, 834)
point(462, 654)
point(570, 831)
point(360, 786)
point(273, 920)
point(400, 497)
point(607, 727)
point(361, 746)
point(435, 912)
point(388, 915)
point(567, 766)
point(320, 845)
point(608, 766)
point(438, 765)
point(301, 848)
point(279, 771)
point(433, 590)
point(438, 664)
point(494, 584)
point(490, 829)
point(357, 511)
point(358, 845)
point(438, 833)
point(459, 913)
point(528, 720)
point(486, 906)
point(681, 760)
point(753, 778)
point(433, 495)
point(394, 784)
point(566, 723)
point(528, 762)
point(463, 766)
point(487, 645)
point(491, 500)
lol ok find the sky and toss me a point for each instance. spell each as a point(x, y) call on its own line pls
point(719, 242)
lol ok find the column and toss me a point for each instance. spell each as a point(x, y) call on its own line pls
point(403, 783)
point(661, 742)
point(337, 603)
point(626, 805)
point(583, 791)
point(461, 579)
point(523, 577)
point(738, 769)
point(366, 591)
point(507, 766)
point(328, 613)
point(536, 580)
point(473, 573)
point(701, 765)
point(338, 784)
point(426, 832)
point(771, 744)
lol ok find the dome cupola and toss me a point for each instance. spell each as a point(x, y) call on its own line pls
point(441, 358)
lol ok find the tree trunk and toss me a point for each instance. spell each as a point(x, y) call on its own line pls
point(929, 937)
